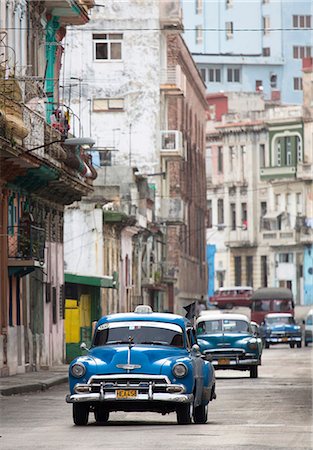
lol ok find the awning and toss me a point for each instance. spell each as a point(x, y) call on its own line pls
point(272, 215)
point(105, 281)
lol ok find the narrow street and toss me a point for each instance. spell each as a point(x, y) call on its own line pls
point(271, 412)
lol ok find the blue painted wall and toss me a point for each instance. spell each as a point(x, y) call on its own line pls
point(210, 253)
point(244, 49)
point(308, 275)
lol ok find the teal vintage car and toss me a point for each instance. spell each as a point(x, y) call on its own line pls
point(229, 341)
point(142, 361)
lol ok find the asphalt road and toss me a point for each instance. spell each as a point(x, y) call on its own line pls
point(271, 412)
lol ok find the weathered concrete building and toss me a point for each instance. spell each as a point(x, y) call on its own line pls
point(40, 172)
point(260, 194)
point(140, 95)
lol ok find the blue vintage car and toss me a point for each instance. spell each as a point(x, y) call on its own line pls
point(280, 328)
point(142, 362)
point(229, 342)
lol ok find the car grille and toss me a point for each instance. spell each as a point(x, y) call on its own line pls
point(140, 383)
point(228, 353)
point(282, 334)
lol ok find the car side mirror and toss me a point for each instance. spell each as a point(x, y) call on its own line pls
point(195, 350)
point(83, 346)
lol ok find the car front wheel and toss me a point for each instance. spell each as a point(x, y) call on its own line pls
point(299, 344)
point(200, 414)
point(101, 415)
point(80, 414)
point(292, 345)
point(254, 372)
point(183, 414)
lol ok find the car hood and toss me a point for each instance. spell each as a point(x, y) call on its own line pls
point(223, 340)
point(110, 359)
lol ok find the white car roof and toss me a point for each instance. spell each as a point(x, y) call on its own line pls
point(235, 288)
point(279, 315)
point(220, 316)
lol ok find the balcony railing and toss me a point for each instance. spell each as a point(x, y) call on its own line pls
point(305, 171)
point(26, 242)
point(172, 143)
point(278, 172)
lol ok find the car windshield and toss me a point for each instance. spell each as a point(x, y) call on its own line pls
point(139, 332)
point(222, 325)
point(280, 320)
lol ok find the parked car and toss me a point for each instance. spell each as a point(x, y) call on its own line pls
point(270, 300)
point(228, 340)
point(308, 328)
point(228, 297)
point(280, 328)
point(142, 361)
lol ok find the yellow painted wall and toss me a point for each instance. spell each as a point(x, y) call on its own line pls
point(72, 321)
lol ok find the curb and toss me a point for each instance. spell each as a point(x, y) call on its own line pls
point(33, 387)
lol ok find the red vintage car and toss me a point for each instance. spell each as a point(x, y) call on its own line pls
point(228, 297)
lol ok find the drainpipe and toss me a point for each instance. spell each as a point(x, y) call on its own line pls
point(51, 29)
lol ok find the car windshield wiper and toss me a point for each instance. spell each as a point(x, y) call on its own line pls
point(155, 342)
point(117, 342)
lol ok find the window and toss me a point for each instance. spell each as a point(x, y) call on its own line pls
point(199, 34)
point(231, 157)
point(105, 158)
point(249, 270)
point(203, 74)
point(266, 51)
point(262, 155)
point(233, 75)
point(264, 271)
point(220, 211)
point(266, 24)
point(301, 21)
point(199, 6)
point(299, 148)
point(107, 47)
point(300, 52)
point(108, 104)
point(237, 263)
point(288, 151)
point(259, 85)
point(215, 75)
point(233, 216)
point(277, 153)
point(220, 159)
point(244, 216)
point(273, 80)
point(285, 257)
point(229, 26)
point(209, 214)
point(297, 84)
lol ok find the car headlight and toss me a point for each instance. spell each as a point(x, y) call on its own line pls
point(180, 370)
point(253, 345)
point(78, 370)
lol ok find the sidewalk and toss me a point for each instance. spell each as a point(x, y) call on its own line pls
point(33, 381)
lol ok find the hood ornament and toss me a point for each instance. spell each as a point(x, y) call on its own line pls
point(129, 366)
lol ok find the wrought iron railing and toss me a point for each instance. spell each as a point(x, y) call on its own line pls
point(26, 242)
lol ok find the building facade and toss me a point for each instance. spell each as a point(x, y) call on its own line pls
point(260, 195)
point(37, 179)
point(250, 46)
point(151, 118)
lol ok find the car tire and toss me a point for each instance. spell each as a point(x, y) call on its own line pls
point(101, 415)
point(80, 414)
point(229, 306)
point(306, 343)
point(299, 344)
point(200, 414)
point(267, 345)
point(292, 345)
point(254, 372)
point(183, 414)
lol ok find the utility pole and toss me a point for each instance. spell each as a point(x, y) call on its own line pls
point(130, 145)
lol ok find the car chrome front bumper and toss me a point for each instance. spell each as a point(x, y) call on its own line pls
point(240, 362)
point(110, 396)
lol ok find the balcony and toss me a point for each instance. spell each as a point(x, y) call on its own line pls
point(71, 12)
point(276, 238)
point(171, 17)
point(238, 238)
point(172, 210)
point(305, 171)
point(172, 143)
point(278, 172)
point(173, 81)
point(26, 248)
